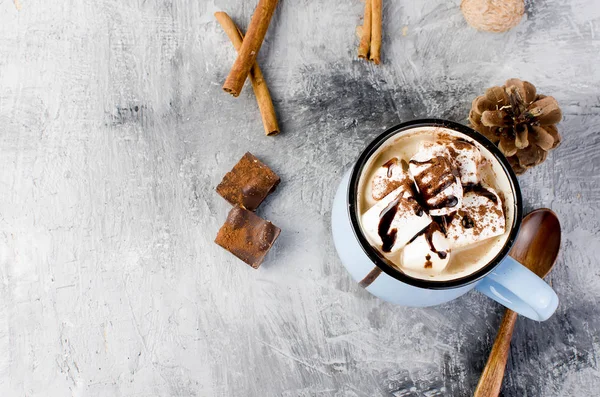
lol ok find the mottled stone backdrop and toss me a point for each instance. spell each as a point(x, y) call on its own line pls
point(114, 132)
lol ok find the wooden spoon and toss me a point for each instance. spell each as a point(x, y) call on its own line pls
point(536, 248)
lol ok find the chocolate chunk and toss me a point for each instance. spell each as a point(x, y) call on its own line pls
point(247, 236)
point(467, 222)
point(248, 183)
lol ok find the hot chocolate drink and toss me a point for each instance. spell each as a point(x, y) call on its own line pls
point(435, 203)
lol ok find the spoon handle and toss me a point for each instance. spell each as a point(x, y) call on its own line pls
point(491, 379)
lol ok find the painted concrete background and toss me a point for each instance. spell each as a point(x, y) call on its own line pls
point(114, 132)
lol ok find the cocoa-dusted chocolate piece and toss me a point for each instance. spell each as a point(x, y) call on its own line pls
point(248, 183)
point(247, 236)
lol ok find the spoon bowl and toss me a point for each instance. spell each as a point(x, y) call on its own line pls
point(538, 242)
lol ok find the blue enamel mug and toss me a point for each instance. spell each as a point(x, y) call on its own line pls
point(503, 279)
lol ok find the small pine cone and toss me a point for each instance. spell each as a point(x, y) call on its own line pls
point(517, 119)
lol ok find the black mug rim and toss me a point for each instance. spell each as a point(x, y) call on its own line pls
point(383, 263)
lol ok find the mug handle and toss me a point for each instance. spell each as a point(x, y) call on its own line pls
point(518, 288)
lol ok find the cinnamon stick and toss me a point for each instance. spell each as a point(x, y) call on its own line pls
point(250, 47)
point(365, 39)
point(259, 85)
point(375, 55)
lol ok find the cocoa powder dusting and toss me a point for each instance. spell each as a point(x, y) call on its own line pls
point(248, 183)
point(247, 236)
point(382, 185)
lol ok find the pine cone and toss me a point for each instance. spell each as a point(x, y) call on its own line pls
point(518, 120)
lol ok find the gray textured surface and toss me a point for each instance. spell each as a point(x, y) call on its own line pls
point(114, 132)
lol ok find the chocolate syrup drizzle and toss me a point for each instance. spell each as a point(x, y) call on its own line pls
point(430, 161)
point(434, 227)
point(480, 190)
point(390, 164)
point(467, 222)
point(442, 221)
point(463, 141)
point(438, 185)
point(449, 202)
point(428, 263)
point(428, 232)
point(418, 210)
point(388, 237)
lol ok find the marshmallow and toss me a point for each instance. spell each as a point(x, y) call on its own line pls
point(388, 178)
point(437, 179)
point(428, 253)
point(468, 159)
point(481, 217)
point(394, 221)
point(465, 154)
